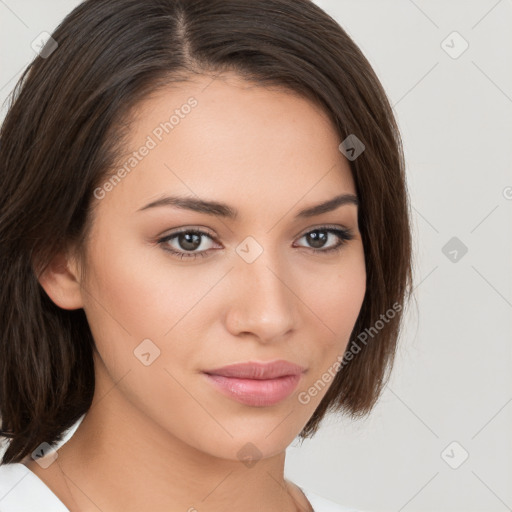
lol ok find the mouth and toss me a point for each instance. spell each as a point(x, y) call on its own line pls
point(256, 384)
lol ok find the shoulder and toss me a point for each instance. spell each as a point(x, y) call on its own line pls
point(321, 504)
point(21, 490)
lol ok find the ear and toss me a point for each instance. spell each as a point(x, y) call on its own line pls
point(61, 282)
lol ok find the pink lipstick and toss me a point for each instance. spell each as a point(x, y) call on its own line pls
point(256, 384)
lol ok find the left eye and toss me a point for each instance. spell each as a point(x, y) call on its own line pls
point(190, 240)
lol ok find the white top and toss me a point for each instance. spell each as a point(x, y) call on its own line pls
point(21, 490)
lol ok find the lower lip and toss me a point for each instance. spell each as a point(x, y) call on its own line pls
point(255, 392)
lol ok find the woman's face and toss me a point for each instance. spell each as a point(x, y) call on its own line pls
point(250, 288)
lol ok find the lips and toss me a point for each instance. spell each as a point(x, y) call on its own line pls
point(256, 384)
point(258, 371)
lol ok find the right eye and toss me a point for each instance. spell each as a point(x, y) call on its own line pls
point(188, 240)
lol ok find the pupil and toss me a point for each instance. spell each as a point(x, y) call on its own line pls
point(189, 241)
point(316, 240)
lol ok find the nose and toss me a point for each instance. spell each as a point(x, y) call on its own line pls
point(263, 302)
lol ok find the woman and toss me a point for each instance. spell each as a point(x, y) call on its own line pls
point(203, 215)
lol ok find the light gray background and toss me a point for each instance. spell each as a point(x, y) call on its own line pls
point(453, 378)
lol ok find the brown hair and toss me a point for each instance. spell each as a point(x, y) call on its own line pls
point(64, 130)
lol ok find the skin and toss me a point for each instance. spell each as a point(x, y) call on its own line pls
point(160, 437)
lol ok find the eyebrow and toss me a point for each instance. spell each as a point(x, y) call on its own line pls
point(219, 209)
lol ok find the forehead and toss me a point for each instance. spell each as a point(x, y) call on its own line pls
point(230, 140)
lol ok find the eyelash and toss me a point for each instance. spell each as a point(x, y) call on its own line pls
point(343, 234)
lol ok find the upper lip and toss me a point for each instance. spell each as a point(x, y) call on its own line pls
point(256, 370)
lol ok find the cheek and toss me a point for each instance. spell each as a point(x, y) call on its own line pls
point(336, 306)
point(335, 295)
point(132, 284)
point(137, 294)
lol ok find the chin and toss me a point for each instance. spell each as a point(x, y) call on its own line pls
point(247, 447)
